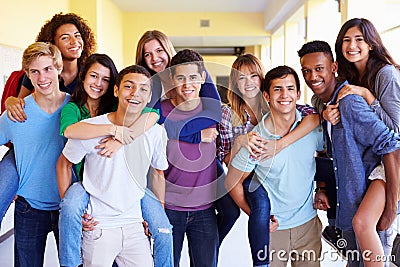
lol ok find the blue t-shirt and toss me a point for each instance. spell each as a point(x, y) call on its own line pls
point(288, 177)
point(37, 145)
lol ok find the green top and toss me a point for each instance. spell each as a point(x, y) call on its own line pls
point(72, 113)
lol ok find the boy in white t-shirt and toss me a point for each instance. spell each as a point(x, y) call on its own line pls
point(117, 184)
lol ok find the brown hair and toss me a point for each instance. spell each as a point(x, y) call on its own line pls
point(378, 56)
point(147, 37)
point(48, 32)
point(235, 99)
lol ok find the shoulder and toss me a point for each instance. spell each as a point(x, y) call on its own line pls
point(352, 104)
point(388, 72)
point(98, 119)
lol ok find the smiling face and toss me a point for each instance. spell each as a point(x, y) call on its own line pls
point(96, 81)
point(187, 82)
point(155, 56)
point(248, 82)
point(283, 95)
point(134, 93)
point(319, 74)
point(44, 75)
point(69, 40)
point(354, 47)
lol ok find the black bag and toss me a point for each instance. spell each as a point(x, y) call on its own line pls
point(396, 251)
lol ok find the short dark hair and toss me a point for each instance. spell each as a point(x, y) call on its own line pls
point(131, 69)
point(187, 56)
point(315, 47)
point(277, 73)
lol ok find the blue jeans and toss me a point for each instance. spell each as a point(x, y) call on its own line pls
point(9, 181)
point(227, 210)
point(258, 225)
point(31, 227)
point(73, 206)
point(202, 235)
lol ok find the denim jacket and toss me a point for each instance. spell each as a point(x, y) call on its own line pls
point(359, 141)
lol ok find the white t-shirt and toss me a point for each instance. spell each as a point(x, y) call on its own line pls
point(117, 184)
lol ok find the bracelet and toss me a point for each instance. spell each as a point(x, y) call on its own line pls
point(319, 188)
point(115, 133)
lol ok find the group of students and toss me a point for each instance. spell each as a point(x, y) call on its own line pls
point(91, 136)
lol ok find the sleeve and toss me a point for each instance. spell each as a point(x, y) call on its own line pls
point(154, 110)
point(74, 150)
point(27, 83)
point(225, 136)
point(243, 162)
point(189, 130)
point(4, 134)
point(70, 114)
point(306, 110)
point(361, 117)
point(387, 104)
point(159, 159)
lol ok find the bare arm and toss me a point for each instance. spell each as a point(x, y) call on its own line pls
point(64, 174)
point(158, 182)
point(83, 130)
point(234, 185)
point(392, 173)
point(24, 92)
point(143, 123)
point(308, 124)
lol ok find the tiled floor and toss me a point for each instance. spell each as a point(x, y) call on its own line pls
point(234, 252)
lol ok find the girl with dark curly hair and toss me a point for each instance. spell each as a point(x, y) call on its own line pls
point(75, 39)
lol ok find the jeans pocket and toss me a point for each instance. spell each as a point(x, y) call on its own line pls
point(93, 235)
point(22, 206)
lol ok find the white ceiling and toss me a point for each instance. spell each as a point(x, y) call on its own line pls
point(192, 5)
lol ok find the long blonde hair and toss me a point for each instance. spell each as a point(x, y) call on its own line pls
point(147, 37)
point(235, 99)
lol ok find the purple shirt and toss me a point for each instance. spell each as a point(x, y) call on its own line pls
point(191, 175)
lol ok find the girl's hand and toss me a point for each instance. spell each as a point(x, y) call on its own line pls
point(108, 146)
point(15, 109)
point(252, 142)
point(332, 114)
point(208, 135)
point(349, 89)
point(123, 134)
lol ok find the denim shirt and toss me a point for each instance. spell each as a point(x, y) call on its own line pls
point(359, 141)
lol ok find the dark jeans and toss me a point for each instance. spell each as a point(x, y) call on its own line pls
point(227, 210)
point(31, 227)
point(258, 225)
point(202, 234)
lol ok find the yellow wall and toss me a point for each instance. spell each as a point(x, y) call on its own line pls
point(21, 20)
point(187, 24)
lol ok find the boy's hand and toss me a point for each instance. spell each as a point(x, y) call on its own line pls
point(321, 201)
point(88, 222)
point(273, 224)
point(108, 146)
point(146, 229)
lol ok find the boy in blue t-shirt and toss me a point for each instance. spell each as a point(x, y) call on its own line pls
point(37, 146)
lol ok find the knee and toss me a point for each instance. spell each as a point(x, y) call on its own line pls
point(360, 224)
